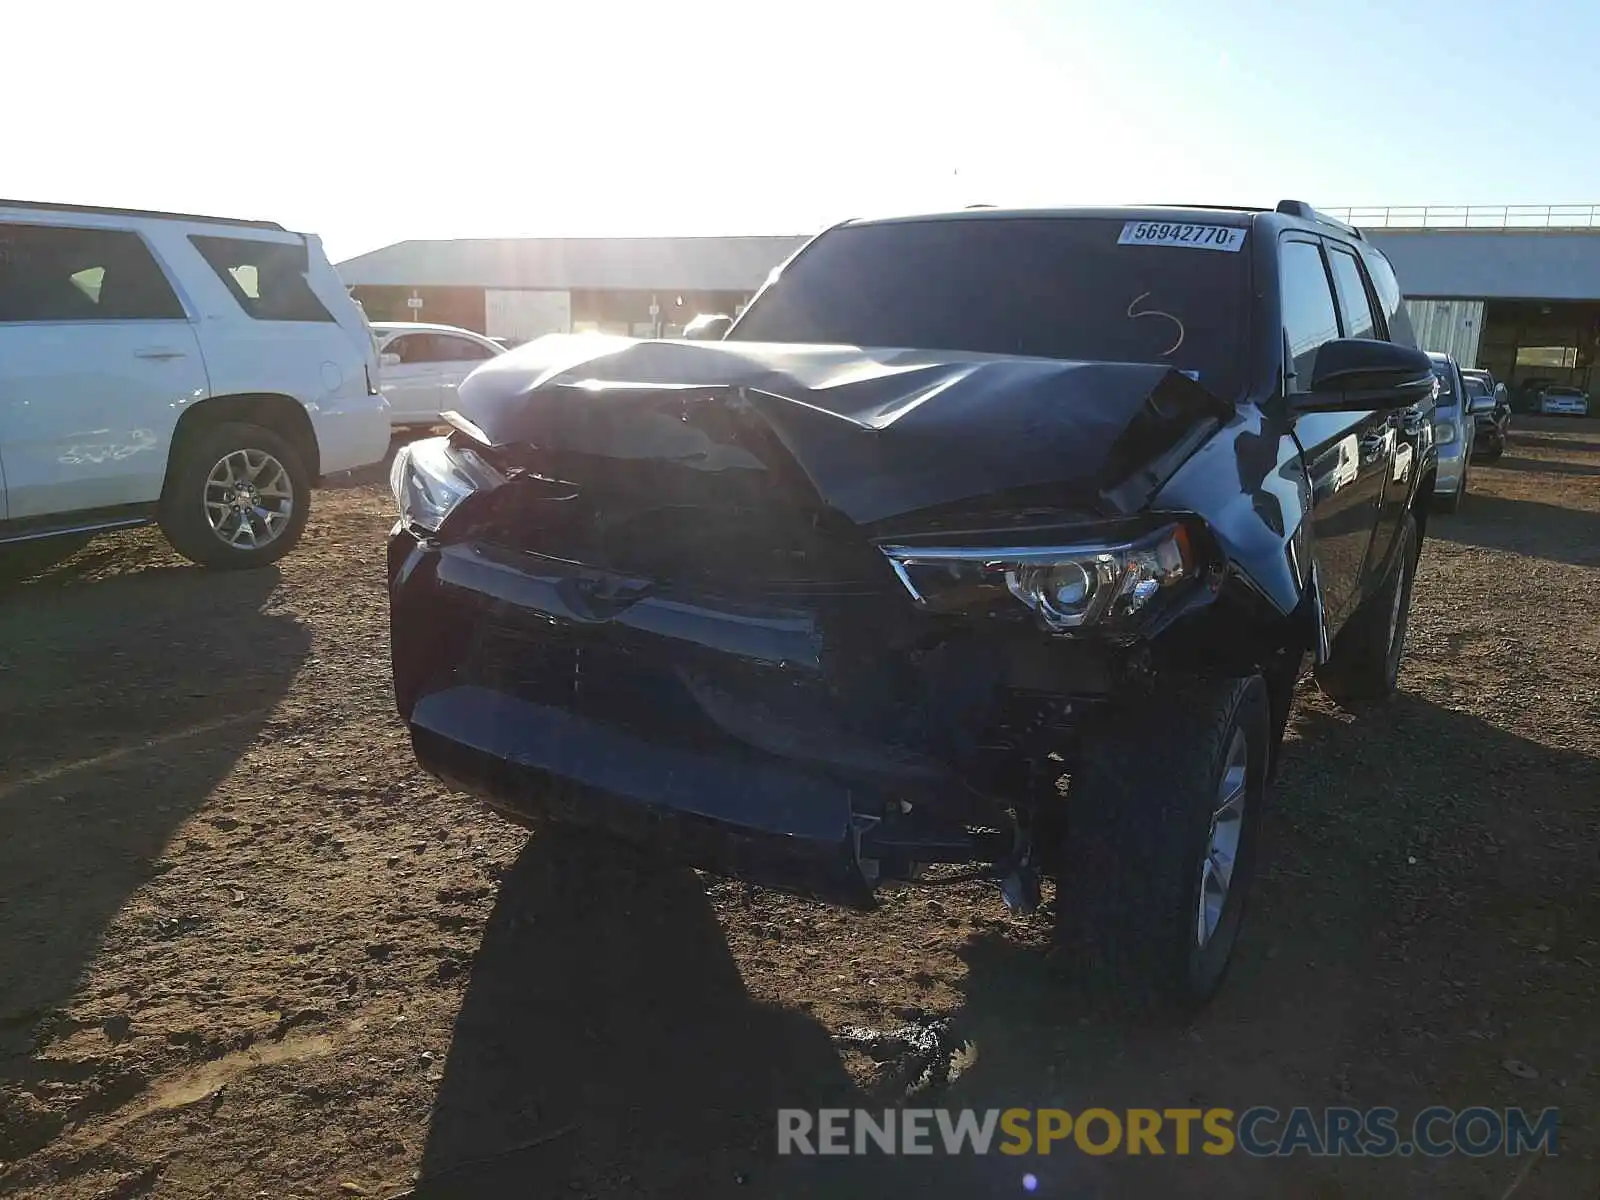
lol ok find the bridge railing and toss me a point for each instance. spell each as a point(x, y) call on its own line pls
point(1471, 216)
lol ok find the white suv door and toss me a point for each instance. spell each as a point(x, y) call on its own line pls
point(98, 356)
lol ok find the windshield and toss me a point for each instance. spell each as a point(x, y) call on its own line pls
point(1475, 386)
point(1046, 287)
point(1562, 391)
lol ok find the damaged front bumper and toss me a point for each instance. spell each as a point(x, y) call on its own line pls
point(745, 739)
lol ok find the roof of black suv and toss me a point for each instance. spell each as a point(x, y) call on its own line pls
point(1290, 213)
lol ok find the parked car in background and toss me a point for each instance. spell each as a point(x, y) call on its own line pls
point(1525, 396)
point(1454, 429)
point(198, 372)
point(707, 327)
point(423, 365)
point(1490, 409)
point(973, 540)
point(1560, 400)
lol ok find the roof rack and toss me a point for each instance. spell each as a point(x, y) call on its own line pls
point(97, 210)
point(1299, 208)
point(1219, 207)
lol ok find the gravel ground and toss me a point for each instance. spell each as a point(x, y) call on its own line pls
point(247, 949)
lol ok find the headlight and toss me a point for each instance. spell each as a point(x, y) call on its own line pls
point(1444, 432)
point(429, 478)
point(1066, 586)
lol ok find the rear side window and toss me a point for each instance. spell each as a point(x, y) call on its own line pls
point(436, 348)
point(1354, 305)
point(460, 349)
point(1389, 298)
point(268, 279)
point(52, 273)
point(413, 348)
point(1309, 316)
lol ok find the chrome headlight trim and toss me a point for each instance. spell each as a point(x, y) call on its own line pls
point(1067, 587)
point(430, 477)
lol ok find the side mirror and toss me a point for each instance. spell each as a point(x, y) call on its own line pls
point(1354, 374)
point(388, 360)
point(1481, 404)
point(708, 327)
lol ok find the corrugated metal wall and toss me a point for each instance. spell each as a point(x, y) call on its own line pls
point(1453, 327)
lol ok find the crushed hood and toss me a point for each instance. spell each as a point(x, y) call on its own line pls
point(877, 434)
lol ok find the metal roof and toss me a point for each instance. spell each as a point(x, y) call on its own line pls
point(686, 264)
point(1481, 264)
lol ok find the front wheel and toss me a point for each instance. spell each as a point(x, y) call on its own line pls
point(1160, 846)
point(237, 496)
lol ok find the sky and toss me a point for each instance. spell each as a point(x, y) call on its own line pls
point(369, 123)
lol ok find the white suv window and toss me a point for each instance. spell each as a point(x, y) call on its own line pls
point(58, 273)
point(268, 279)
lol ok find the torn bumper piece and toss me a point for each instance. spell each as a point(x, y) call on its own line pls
point(747, 821)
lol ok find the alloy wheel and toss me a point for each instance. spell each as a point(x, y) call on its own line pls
point(249, 499)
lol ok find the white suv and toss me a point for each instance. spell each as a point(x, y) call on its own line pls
point(193, 371)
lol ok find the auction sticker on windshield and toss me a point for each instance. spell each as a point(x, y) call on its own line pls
point(1196, 237)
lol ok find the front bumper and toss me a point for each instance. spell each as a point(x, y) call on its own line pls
point(1452, 465)
point(693, 729)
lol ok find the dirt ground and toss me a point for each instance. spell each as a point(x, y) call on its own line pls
point(248, 950)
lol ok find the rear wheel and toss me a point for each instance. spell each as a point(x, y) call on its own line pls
point(237, 496)
point(1364, 667)
point(1159, 853)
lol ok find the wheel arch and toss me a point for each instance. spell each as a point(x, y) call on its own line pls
point(1422, 503)
point(284, 415)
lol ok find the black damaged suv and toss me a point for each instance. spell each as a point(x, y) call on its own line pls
point(993, 537)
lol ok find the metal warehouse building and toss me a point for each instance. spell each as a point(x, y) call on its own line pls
point(1515, 289)
point(646, 287)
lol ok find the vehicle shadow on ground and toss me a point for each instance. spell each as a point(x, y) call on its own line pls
point(1549, 531)
point(123, 700)
point(607, 1042)
point(1547, 466)
point(1390, 863)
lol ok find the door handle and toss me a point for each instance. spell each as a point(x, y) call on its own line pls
point(158, 352)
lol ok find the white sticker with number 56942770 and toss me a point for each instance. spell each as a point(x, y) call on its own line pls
point(1170, 233)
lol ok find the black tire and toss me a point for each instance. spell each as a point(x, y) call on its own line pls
point(1452, 502)
point(1139, 823)
point(1493, 451)
point(1364, 667)
point(184, 500)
